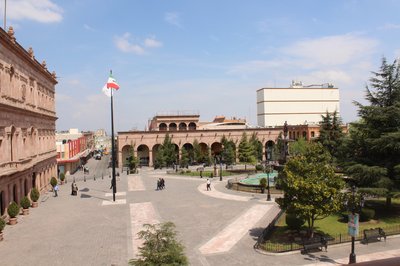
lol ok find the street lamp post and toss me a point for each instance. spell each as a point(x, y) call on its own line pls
point(352, 257)
point(220, 168)
point(268, 170)
point(354, 205)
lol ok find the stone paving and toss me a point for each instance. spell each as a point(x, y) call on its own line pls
point(217, 227)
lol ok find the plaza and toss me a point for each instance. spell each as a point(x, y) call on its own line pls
point(217, 227)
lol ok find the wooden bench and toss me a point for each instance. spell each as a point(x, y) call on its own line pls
point(316, 243)
point(374, 233)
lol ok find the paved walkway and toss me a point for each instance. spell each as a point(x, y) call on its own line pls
point(217, 227)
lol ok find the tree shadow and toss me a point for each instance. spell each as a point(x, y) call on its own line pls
point(255, 233)
point(320, 258)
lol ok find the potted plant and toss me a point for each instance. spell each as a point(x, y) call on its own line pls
point(2, 225)
point(35, 197)
point(13, 211)
point(53, 182)
point(62, 178)
point(263, 184)
point(25, 204)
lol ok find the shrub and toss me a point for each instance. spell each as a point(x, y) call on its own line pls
point(53, 181)
point(367, 214)
point(259, 167)
point(2, 224)
point(293, 221)
point(188, 171)
point(263, 182)
point(62, 176)
point(25, 203)
point(35, 194)
point(13, 209)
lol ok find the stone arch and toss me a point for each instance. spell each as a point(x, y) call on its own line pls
point(312, 134)
point(143, 154)
point(182, 126)
point(126, 153)
point(33, 179)
point(26, 187)
point(304, 135)
point(162, 127)
point(192, 126)
point(189, 148)
point(269, 147)
point(203, 148)
point(172, 127)
point(216, 148)
point(15, 193)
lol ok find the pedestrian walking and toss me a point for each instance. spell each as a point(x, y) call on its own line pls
point(74, 189)
point(208, 184)
point(162, 181)
point(56, 191)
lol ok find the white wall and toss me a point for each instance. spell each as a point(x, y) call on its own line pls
point(295, 105)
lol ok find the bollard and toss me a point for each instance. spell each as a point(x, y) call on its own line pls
point(102, 176)
point(84, 178)
point(94, 178)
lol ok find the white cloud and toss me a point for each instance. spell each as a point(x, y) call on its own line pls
point(125, 44)
point(331, 50)
point(327, 53)
point(173, 18)
point(390, 26)
point(44, 11)
point(152, 42)
point(87, 27)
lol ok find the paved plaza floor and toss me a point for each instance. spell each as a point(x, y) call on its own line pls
point(217, 227)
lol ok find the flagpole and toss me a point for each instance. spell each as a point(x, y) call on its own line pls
point(114, 183)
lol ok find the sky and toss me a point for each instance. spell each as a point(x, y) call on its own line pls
point(200, 56)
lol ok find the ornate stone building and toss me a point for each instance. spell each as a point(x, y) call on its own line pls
point(27, 121)
point(184, 129)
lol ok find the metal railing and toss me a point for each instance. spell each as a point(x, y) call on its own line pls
point(333, 239)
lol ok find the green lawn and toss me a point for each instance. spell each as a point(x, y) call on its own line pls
point(335, 225)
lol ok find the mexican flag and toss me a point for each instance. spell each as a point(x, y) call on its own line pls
point(112, 83)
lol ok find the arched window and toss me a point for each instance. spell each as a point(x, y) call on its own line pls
point(162, 127)
point(172, 127)
point(192, 126)
point(182, 127)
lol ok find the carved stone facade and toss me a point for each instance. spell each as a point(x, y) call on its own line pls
point(27, 122)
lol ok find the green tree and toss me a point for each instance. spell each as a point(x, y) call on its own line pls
point(159, 161)
point(298, 147)
point(311, 188)
point(246, 152)
point(279, 149)
point(257, 147)
point(197, 155)
point(160, 246)
point(133, 161)
point(371, 153)
point(228, 151)
point(184, 162)
point(331, 133)
point(169, 151)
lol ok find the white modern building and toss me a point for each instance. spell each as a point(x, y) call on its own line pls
point(298, 104)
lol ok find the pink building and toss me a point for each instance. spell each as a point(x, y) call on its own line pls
point(27, 124)
point(73, 149)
